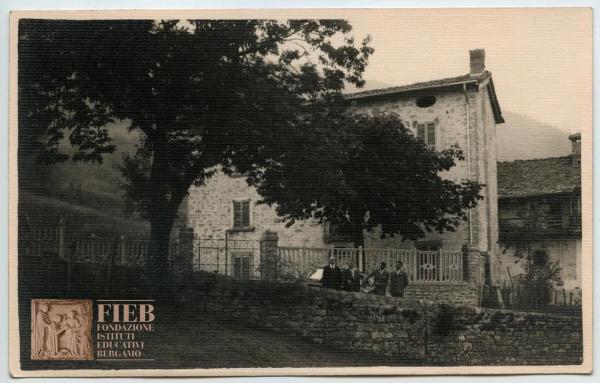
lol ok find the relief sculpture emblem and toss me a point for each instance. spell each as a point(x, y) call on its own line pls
point(61, 329)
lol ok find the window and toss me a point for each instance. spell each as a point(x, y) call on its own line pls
point(241, 214)
point(242, 264)
point(425, 101)
point(426, 133)
point(335, 233)
point(540, 258)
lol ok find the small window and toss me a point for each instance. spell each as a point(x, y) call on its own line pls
point(241, 214)
point(335, 233)
point(426, 133)
point(426, 101)
point(242, 266)
point(540, 258)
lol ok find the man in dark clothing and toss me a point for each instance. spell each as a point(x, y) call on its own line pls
point(332, 275)
point(398, 281)
point(381, 278)
point(351, 278)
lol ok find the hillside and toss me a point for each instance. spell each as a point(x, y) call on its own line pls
point(523, 138)
point(87, 196)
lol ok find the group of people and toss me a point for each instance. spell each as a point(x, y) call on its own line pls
point(350, 279)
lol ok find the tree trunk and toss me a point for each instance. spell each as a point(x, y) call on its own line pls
point(157, 270)
point(357, 219)
point(358, 238)
point(163, 210)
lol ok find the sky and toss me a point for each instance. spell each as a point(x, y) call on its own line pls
point(540, 58)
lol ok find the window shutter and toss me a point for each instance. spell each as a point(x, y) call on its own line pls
point(431, 135)
point(237, 214)
point(241, 214)
point(421, 132)
point(246, 213)
point(242, 266)
point(245, 267)
point(237, 269)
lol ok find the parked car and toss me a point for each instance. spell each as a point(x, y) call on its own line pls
point(314, 277)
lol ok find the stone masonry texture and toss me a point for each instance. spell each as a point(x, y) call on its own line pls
point(420, 330)
point(472, 128)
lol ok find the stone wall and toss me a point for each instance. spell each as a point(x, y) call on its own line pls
point(210, 214)
point(450, 115)
point(455, 294)
point(453, 118)
point(419, 331)
point(209, 207)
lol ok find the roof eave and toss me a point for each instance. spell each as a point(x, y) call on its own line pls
point(494, 102)
point(485, 79)
point(357, 96)
point(537, 194)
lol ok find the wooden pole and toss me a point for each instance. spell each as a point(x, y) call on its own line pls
point(510, 277)
point(226, 250)
point(61, 239)
point(360, 258)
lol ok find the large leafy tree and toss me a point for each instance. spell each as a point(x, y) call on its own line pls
point(360, 172)
point(202, 93)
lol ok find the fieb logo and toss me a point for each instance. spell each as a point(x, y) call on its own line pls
point(126, 312)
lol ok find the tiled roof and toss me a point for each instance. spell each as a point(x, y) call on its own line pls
point(445, 82)
point(417, 86)
point(524, 178)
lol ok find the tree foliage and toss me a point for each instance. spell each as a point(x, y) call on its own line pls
point(203, 93)
point(360, 172)
point(262, 97)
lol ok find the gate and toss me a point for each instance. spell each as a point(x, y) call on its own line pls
point(239, 258)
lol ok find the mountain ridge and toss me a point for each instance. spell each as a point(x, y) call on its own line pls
point(522, 137)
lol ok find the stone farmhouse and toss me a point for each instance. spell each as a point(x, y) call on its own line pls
point(540, 215)
point(462, 110)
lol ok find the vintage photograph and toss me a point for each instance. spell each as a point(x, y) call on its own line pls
point(323, 191)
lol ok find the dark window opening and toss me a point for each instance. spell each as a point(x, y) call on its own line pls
point(426, 133)
point(336, 233)
point(540, 258)
point(241, 214)
point(426, 101)
point(242, 265)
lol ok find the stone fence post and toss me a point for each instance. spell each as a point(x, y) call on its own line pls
point(269, 258)
point(473, 266)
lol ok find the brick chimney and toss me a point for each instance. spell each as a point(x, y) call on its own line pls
point(477, 61)
point(576, 147)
